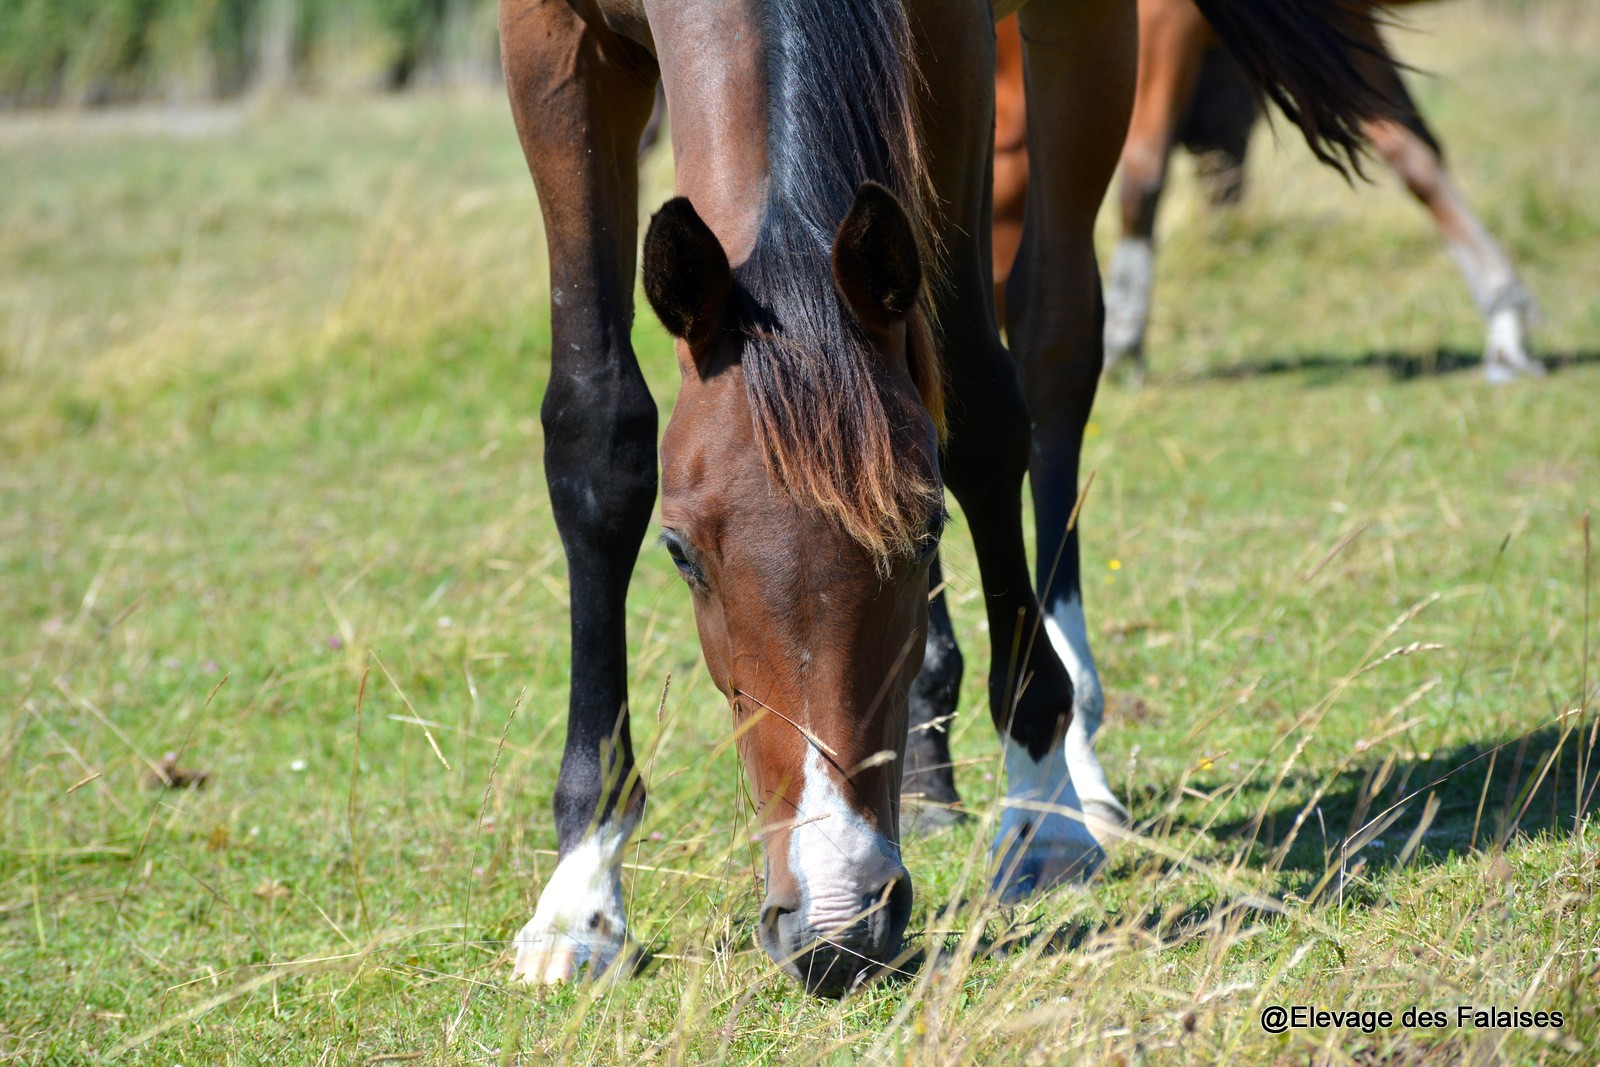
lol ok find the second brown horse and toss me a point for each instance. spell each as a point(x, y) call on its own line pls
point(1191, 91)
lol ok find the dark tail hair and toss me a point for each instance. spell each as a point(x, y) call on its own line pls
point(1313, 58)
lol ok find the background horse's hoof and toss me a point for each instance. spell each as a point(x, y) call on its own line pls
point(549, 957)
point(1125, 367)
point(1505, 351)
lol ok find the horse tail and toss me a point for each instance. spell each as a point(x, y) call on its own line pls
point(1313, 59)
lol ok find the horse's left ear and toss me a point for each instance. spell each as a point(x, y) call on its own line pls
point(876, 266)
point(686, 274)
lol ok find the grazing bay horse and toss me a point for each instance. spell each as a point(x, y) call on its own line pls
point(824, 272)
point(1191, 91)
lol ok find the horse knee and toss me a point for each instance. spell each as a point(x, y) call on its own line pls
point(1144, 177)
point(600, 458)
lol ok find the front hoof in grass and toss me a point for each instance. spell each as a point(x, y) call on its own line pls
point(549, 957)
point(1106, 818)
point(1028, 867)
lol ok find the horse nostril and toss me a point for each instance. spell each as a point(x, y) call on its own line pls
point(771, 931)
point(772, 913)
point(891, 911)
point(900, 898)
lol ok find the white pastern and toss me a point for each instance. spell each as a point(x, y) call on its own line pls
point(1043, 840)
point(580, 921)
point(1127, 298)
point(838, 856)
point(1069, 634)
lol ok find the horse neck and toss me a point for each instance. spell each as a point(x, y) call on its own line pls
point(786, 101)
point(714, 72)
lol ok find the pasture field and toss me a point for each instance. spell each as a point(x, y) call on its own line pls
point(271, 502)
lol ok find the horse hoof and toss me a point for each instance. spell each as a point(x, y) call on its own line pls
point(1128, 369)
point(1038, 866)
point(1505, 351)
point(1106, 818)
point(550, 957)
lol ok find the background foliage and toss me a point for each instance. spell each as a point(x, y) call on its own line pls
point(100, 51)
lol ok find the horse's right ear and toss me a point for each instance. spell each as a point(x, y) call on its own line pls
point(686, 274)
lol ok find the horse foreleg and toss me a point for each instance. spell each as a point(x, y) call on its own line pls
point(1080, 60)
point(928, 786)
point(1172, 41)
point(1502, 300)
point(580, 99)
point(986, 453)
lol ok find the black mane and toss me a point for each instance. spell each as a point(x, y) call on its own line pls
point(839, 112)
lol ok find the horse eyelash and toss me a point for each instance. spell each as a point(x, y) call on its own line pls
point(691, 573)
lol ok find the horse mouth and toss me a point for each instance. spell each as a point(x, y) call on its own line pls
point(839, 959)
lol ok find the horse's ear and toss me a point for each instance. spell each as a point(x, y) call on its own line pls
point(686, 274)
point(876, 266)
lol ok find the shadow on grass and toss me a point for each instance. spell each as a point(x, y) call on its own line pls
point(1400, 366)
point(1483, 796)
point(1486, 794)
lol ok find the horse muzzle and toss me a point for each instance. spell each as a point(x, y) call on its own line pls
point(835, 940)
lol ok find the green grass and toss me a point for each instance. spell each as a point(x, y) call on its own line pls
point(270, 499)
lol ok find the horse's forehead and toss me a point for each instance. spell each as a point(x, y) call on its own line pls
point(710, 428)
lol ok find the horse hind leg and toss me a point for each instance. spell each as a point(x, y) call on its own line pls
point(1217, 128)
point(1172, 42)
point(1409, 148)
point(580, 99)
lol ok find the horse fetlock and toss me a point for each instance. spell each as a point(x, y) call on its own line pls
point(1044, 839)
point(1104, 815)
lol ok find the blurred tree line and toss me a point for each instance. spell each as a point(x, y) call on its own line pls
point(106, 51)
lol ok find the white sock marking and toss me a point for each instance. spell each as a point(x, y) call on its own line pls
point(1069, 634)
point(580, 917)
point(1127, 297)
point(1043, 839)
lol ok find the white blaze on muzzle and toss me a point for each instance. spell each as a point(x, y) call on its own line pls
point(839, 860)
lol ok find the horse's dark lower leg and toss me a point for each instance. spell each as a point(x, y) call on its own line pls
point(986, 458)
point(580, 99)
point(928, 788)
point(1076, 118)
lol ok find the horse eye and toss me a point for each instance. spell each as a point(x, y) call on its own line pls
point(932, 535)
point(681, 558)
